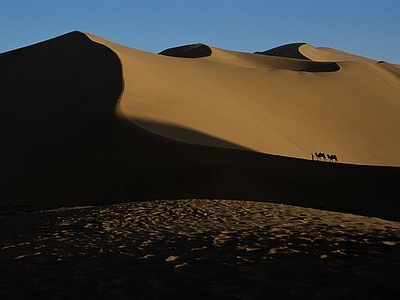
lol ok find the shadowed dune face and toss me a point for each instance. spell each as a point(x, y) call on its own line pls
point(53, 95)
point(190, 136)
point(189, 51)
point(323, 67)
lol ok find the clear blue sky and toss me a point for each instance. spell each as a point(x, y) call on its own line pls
point(369, 28)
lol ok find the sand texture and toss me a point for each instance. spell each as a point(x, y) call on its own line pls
point(198, 249)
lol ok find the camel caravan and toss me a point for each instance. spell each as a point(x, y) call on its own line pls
point(322, 157)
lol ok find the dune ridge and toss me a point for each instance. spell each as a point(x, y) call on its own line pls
point(114, 123)
point(289, 51)
point(306, 51)
point(329, 54)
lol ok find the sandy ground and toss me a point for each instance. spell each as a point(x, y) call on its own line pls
point(197, 249)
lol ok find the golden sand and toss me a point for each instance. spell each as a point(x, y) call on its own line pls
point(270, 104)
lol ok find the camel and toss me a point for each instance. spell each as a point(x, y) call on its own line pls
point(332, 157)
point(320, 155)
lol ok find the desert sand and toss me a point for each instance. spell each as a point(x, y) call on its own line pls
point(109, 138)
point(198, 249)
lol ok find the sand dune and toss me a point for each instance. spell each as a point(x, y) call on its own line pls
point(88, 121)
point(278, 105)
point(289, 51)
point(53, 93)
point(329, 54)
point(189, 51)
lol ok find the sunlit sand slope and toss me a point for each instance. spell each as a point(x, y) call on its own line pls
point(325, 100)
point(87, 121)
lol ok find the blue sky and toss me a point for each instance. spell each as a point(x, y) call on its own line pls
point(369, 28)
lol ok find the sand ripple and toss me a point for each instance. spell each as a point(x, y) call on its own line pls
point(198, 249)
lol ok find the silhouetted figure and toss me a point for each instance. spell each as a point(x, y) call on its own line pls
point(320, 156)
point(312, 156)
point(332, 157)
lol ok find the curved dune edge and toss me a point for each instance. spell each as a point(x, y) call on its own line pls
point(321, 55)
point(288, 51)
point(269, 104)
point(188, 51)
point(324, 54)
point(293, 51)
point(308, 52)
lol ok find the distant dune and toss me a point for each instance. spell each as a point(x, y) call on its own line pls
point(88, 121)
point(189, 51)
point(289, 51)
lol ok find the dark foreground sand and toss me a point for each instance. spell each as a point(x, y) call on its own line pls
point(198, 249)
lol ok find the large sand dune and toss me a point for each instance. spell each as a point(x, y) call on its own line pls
point(275, 105)
point(88, 121)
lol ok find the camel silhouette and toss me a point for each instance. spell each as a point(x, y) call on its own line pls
point(320, 156)
point(332, 157)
